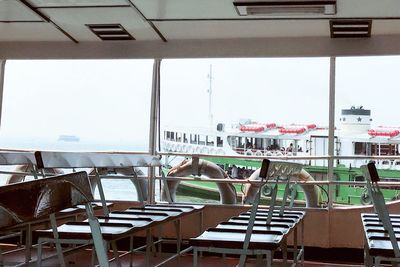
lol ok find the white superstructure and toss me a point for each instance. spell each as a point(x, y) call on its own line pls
point(355, 137)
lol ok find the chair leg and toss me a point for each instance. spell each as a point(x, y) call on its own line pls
point(115, 253)
point(367, 258)
point(269, 258)
point(94, 258)
point(1, 258)
point(131, 251)
point(56, 240)
point(195, 259)
point(178, 235)
point(159, 238)
point(148, 246)
point(39, 253)
point(284, 253)
point(377, 261)
point(259, 258)
point(28, 243)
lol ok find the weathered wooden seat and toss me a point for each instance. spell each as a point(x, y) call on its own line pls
point(233, 238)
point(257, 232)
point(121, 224)
point(113, 225)
point(286, 213)
point(117, 225)
point(258, 225)
point(381, 229)
point(378, 243)
point(287, 217)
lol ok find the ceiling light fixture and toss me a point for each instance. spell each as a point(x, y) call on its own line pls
point(285, 8)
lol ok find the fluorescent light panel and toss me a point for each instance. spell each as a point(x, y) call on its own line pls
point(285, 8)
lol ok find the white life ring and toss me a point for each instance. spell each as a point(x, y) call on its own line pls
point(185, 168)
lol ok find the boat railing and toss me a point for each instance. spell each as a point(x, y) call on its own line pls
point(284, 157)
point(385, 184)
point(95, 160)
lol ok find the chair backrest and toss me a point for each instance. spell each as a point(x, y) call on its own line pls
point(28, 201)
point(372, 178)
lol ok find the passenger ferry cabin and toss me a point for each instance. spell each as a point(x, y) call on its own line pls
point(354, 136)
point(338, 31)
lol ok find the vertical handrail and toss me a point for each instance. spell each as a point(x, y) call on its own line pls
point(331, 131)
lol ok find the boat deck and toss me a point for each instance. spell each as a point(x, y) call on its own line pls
point(83, 258)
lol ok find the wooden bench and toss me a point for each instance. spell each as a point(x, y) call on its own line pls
point(114, 225)
point(121, 224)
point(257, 232)
point(381, 229)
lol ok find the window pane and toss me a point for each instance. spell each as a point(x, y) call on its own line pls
point(260, 107)
point(77, 104)
point(366, 100)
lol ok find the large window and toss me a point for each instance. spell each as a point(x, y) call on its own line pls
point(77, 105)
point(367, 97)
point(247, 107)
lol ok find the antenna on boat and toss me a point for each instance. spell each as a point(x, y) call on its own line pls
point(209, 91)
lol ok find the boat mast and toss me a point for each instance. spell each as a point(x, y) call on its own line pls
point(210, 115)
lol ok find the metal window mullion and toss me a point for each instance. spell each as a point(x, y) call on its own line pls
point(331, 135)
point(155, 94)
point(2, 71)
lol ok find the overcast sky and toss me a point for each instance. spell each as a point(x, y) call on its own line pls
point(109, 100)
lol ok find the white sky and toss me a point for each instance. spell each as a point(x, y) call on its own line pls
point(109, 100)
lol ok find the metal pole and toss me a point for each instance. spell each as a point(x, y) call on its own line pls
point(210, 115)
point(155, 95)
point(2, 69)
point(331, 136)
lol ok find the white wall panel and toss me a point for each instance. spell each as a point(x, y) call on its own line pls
point(63, 3)
point(242, 29)
point(39, 31)
point(15, 11)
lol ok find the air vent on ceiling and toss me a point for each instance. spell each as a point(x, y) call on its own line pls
point(110, 32)
point(285, 8)
point(350, 28)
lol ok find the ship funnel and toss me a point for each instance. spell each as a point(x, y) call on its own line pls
point(355, 120)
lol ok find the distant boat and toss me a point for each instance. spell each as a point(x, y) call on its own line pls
point(68, 138)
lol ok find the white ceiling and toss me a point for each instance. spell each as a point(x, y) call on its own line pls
point(168, 24)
